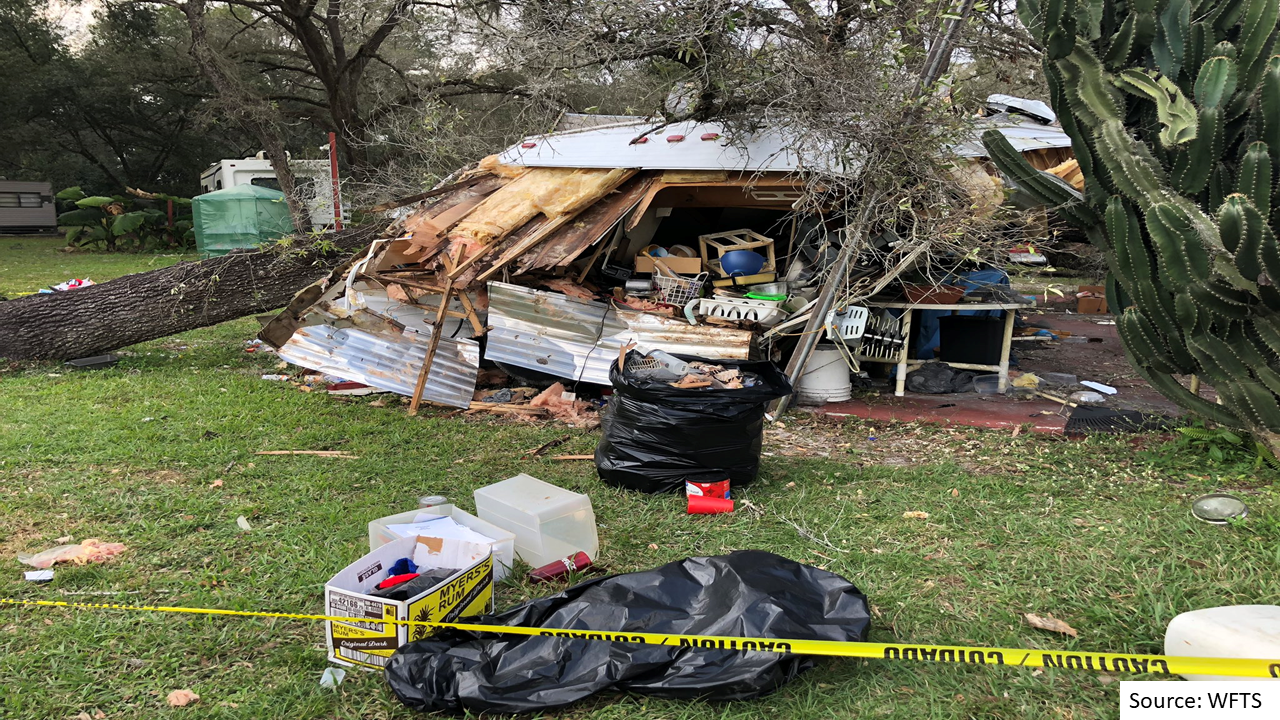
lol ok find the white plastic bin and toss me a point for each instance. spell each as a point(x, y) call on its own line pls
point(549, 522)
point(1234, 631)
point(503, 541)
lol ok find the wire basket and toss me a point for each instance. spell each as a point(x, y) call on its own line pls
point(678, 290)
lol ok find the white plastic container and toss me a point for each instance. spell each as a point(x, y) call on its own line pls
point(849, 324)
point(825, 378)
point(503, 541)
point(549, 523)
point(765, 312)
point(1235, 631)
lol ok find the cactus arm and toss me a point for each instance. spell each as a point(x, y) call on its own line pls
point(1256, 27)
point(1169, 47)
point(1176, 114)
point(1216, 82)
point(1255, 177)
point(1269, 106)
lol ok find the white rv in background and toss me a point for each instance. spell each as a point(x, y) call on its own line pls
point(311, 176)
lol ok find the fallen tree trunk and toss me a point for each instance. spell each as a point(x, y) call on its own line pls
point(149, 305)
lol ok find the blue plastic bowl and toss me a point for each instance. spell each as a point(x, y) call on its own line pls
point(742, 262)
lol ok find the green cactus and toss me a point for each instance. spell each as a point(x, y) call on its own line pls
point(1181, 191)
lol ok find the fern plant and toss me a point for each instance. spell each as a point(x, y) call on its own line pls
point(1221, 445)
point(1173, 110)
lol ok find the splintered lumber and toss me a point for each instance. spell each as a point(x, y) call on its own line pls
point(436, 332)
point(317, 453)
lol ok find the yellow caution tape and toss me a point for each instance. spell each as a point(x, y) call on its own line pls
point(951, 654)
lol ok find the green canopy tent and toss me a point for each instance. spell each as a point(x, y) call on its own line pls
point(243, 216)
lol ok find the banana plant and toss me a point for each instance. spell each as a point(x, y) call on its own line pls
point(115, 221)
point(1173, 110)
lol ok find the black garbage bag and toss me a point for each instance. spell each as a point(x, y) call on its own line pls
point(936, 378)
point(655, 437)
point(748, 593)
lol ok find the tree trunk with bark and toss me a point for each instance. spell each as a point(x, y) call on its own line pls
point(145, 306)
point(254, 114)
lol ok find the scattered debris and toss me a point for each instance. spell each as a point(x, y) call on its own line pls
point(564, 406)
point(1050, 623)
point(332, 677)
point(243, 523)
point(573, 457)
point(39, 576)
point(181, 698)
point(916, 515)
point(550, 444)
point(1104, 389)
point(72, 284)
point(89, 551)
point(215, 484)
point(317, 453)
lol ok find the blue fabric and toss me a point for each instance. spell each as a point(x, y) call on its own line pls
point(925, 322)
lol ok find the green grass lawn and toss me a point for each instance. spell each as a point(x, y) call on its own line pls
point(30, 263)
point(1095, 533)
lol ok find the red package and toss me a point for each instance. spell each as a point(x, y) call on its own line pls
point(700, 505)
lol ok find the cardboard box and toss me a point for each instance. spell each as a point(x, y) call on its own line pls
point(364, 642)
point(678, 265)
point(504, 553)
point(1092, 305)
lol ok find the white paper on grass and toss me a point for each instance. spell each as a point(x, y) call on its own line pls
point(440, 526)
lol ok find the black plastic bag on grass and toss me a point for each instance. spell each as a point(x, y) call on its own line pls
point(654, 437)
point(748, 593)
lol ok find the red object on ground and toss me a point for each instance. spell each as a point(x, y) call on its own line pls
point(700, 505)
point(395, 580)
point(560, 568)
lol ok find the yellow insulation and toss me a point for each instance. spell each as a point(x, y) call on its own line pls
point(549, 191)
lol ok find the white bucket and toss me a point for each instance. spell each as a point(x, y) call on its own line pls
point(825, 378)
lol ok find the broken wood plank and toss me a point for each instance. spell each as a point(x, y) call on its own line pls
point(507, 408)
point(393, 204)
point(436, 332)
point(550, 444)
point(573, 457)
point(318, 453)
point(477, 327)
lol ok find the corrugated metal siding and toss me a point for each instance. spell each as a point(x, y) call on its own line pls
point(1031, 107)
point(578, 339)
point(1022, 135)
point(550, 332)
point(368, 348)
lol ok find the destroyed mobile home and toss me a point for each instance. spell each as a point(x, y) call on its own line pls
point(551, 258)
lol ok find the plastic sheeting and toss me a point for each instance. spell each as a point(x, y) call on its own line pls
point(243, 216)
point(749, 593)
point(655, 437)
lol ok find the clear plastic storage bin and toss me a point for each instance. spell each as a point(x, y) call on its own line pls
point(550, 523)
